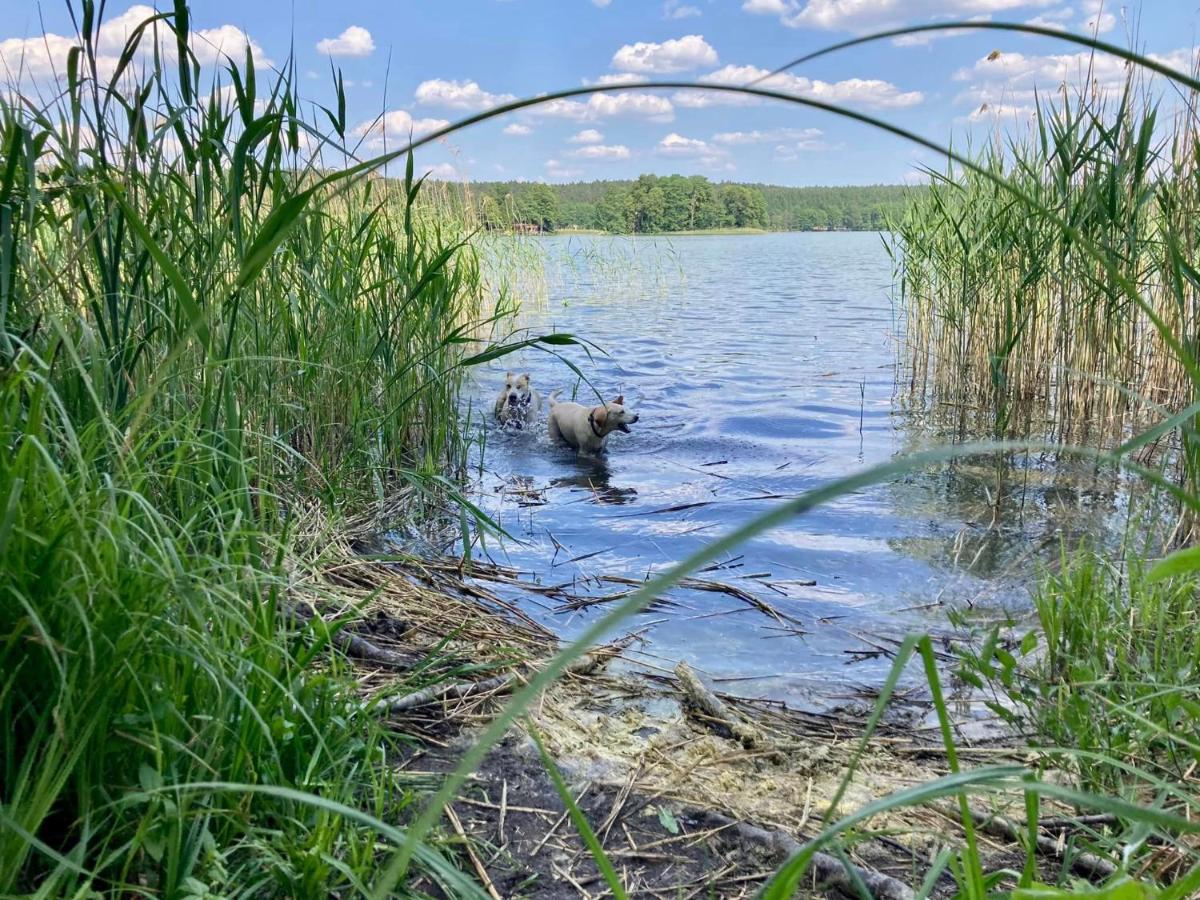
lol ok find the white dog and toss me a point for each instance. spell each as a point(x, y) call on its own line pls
point(587, 429)
point(518, 404)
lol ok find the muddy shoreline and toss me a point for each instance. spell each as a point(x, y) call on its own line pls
point(683, 804)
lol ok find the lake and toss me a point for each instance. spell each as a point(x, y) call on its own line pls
point(762, 366)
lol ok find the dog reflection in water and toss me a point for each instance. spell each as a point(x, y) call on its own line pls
point(595, 480)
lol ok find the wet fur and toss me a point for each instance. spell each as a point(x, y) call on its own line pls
point(518, 404)
point(571, 423)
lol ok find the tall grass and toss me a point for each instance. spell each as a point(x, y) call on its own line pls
point(1010, 319)
point(201, 328)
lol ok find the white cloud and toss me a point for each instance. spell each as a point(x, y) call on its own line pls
point(354, 41)
point(678, 55)
point(45, 56)
point(678, 145)
point(601, 3)
point(587, 136)
point(766, 7)
point(458, 95)
point(861, 16)
point(442, 171)
point(652, 107)
point(516, 129)
point(215, 45)
point(811, 137)
point(618, 78)
point(560, 109)
point(675, 9)
point(1097, 18)
point(555, 169)
point(394, 126)
point(861, 91)
point(602, 151)
point(1006, 84)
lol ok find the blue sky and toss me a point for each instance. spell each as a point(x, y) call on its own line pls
point(413, 65)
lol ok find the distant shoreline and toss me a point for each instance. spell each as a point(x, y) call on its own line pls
point(700, 232)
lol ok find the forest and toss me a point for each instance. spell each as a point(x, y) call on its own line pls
point(654, 204)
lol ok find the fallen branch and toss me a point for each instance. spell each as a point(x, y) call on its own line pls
point(585, 665)
point(716, 712)
point(349, 643)
point(1087, 864)
point(829, 870)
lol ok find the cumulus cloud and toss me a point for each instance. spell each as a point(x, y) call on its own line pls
point(654, 107)
point(767, 7)
point(860, 91)
point(45, 56)
point(587, 136)
point(675, 9)
point(1005, 84)
point(458, 95)
point(860, 16)
point(618, 78)
point(679, 55)
point(354, 41)
point(651, 107)
point(678, 145)
point(602, 151)
point(516, 129)
point(396, 125)
point(1096, 17)
point(810, 137)
point(442, 171)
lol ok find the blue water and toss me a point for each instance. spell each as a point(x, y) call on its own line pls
point(761, 366)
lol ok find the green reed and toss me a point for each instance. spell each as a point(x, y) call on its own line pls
point(203, 331)
point(1007, 316)
point(201, 328)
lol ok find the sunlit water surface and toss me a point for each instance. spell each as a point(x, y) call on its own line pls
point(762, 367)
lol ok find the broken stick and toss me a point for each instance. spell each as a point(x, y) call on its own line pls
point(701, 698)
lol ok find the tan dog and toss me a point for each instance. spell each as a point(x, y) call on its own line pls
point(587, 429)
point(518, 404)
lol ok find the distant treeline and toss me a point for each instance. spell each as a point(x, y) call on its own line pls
point(656, 204)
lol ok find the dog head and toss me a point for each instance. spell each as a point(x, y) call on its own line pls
point(516, 389)
point(613, 416)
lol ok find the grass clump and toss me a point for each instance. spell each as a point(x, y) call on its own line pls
point(203, 330)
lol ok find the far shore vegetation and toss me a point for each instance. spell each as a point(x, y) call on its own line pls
point(659, 204)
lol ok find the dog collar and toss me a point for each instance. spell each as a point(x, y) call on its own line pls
point(592, 422)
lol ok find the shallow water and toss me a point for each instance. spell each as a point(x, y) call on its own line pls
point(762, 366)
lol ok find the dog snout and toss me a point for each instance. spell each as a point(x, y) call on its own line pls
point(635, 418)
point(513, 399)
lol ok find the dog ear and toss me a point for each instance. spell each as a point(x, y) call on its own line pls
point(600, 415)
point(525, 375)
point(508, 376)
point(620, 401)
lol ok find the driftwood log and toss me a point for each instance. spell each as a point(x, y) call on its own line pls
point(352, 644)
point(715, 711)
point(1086, 864)
point(585, 665)
point(829, 870)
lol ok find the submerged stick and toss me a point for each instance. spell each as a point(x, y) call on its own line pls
point(829, 870)
point(701, 698)
point(585, 665)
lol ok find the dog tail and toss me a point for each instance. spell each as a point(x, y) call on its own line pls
point(553, 398)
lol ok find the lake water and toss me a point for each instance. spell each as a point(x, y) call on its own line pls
point(762, 366)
